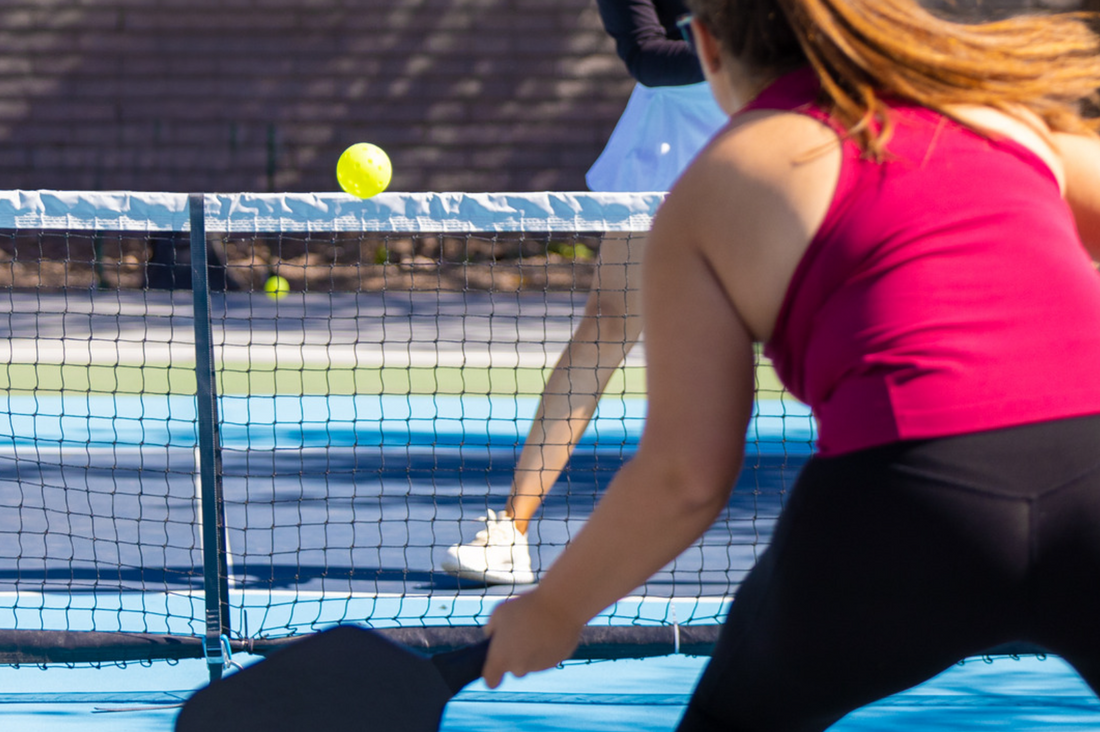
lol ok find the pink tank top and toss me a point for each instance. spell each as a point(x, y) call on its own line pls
point(946, 292)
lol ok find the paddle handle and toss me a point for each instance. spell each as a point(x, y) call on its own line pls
point(461, 667)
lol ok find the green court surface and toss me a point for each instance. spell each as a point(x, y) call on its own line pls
point(245, 378)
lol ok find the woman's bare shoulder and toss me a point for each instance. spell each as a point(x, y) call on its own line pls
point(751, 203)
point(771, 141)
point(760, 156)
point(1080, 155)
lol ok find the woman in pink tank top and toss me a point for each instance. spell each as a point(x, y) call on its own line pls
point(906, 215)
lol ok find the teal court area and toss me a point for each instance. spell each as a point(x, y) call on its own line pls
point(1024, 695)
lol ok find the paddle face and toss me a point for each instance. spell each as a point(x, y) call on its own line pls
point(346, 678)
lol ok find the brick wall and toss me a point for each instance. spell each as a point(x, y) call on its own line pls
point(257, 95)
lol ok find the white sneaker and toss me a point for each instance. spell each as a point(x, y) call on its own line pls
point(498, 555)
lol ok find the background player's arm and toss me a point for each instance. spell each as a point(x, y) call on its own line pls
point(1081, 157)
point(642, 42)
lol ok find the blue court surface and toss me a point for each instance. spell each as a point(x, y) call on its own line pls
point(339, 509)
point(1027, 695)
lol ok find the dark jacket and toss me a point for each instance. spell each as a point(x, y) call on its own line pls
point(648, 41)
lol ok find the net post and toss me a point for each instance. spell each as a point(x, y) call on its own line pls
point(215, 572)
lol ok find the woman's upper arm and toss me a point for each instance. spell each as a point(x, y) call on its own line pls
point(699, 358)
point(719, 260)
point(1081, 158)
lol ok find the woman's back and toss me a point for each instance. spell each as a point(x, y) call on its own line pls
point(941, 291)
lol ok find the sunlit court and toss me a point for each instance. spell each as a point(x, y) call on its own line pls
point(549, 365)
point(193, 479)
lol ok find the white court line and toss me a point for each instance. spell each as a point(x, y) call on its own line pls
point(293, 355)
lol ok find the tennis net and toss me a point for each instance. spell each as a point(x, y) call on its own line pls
point(191, 465)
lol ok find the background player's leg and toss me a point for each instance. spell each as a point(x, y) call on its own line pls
point(606, 333)
point(611, 325)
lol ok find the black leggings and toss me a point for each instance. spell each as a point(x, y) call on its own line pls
point(889, 565)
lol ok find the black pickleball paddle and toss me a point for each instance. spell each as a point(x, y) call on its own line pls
point(342, 679)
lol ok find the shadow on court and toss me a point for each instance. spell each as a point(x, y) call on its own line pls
point(332, 520)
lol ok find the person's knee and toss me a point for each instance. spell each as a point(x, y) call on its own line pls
point(608, 328)
point(611, 303)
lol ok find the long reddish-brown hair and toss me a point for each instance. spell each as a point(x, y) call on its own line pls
point(864, 50)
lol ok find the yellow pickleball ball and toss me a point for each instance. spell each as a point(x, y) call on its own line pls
point(364, 170)
point(276, 287)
